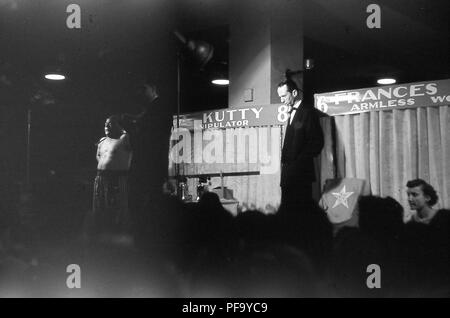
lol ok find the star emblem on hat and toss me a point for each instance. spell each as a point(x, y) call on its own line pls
point(341, 197)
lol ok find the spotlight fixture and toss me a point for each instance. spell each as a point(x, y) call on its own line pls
point(201, 51)
point(386, 81)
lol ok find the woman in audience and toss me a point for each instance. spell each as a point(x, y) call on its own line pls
point(421, 198)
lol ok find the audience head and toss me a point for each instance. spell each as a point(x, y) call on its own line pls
point(380, 217)
point(420, 194)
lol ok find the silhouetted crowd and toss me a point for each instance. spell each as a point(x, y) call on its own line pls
point(202, 250)
point(297, 254)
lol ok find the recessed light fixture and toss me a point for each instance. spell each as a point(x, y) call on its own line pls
point(386, 81)
point(220, 81)
point(55, 77)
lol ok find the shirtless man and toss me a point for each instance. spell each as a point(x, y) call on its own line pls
point(110, 201)
point(114, 150)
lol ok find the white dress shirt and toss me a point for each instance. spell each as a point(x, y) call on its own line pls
point(294, 109)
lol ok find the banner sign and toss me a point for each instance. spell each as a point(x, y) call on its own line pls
point(208, 141)
point(266, 115)
point(411, 95)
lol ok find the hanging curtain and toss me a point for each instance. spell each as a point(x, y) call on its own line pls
point(250, 149)
point(388, 148)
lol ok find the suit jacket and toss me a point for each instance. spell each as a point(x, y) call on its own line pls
point(303, 141)
point(149, 136)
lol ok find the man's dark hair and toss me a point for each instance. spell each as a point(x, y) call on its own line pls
point(290, 85)
point(117, 120)
point(427, 189)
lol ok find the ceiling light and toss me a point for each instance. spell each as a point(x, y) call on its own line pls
point(220, 81)
point(55, 77)
point(386, 81)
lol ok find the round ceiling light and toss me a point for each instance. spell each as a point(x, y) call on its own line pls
point(386, 81)
point(55, 77)
point(220, 81)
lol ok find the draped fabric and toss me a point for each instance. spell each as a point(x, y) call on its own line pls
point(388, 148)
point(110, 203)
point(244, 150)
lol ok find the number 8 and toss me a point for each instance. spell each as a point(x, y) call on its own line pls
point(283, 113)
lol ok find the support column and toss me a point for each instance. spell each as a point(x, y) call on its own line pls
point(266, 38)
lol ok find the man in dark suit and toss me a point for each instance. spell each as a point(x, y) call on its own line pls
point(303, 141)
point(149, 135)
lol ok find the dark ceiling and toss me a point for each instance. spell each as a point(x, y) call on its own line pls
point(411, 45)
point(120, 40)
